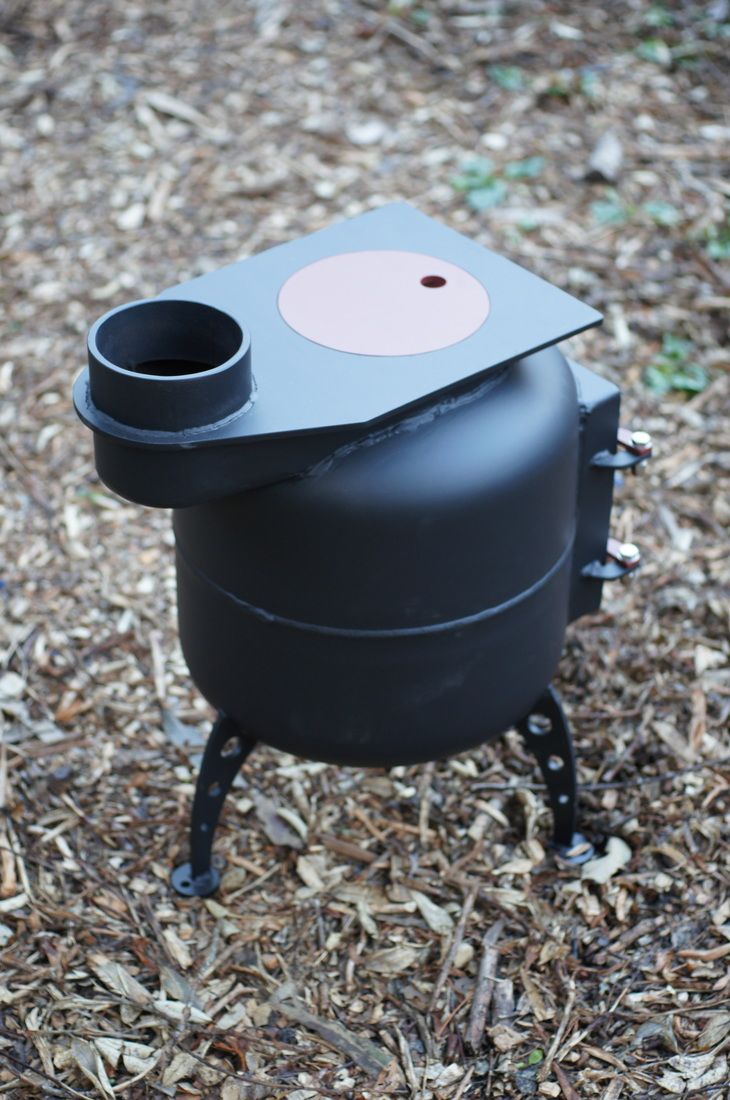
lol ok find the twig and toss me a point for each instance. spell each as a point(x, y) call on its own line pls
point(425, 803)
point(484, 987)
point(620, 785)
point(464, 1083)
point(365, 1054)
point(347, 848)
point(420, 47)
point(27, 1068)
point(407, 1062)
point(567, 1089)
point(560, 1033)
point(455, 944)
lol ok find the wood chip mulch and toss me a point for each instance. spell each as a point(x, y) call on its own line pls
point(376, 934)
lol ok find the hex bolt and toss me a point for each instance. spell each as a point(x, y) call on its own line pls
point(640, 438)
point(628, 553)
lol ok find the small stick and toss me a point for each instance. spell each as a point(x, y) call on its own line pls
point(503, 1005)
point(621, 785)
point(567, 1089)
point(484, 988)
point(455, 944)
point(464, 1083)
point(347, 848)
point(425, 803)
point(8, 877)
point(407, 1063)
point(158, 665)
point(559, 1034)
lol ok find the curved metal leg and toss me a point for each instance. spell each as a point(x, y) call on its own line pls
point(225, 752)
point(547, 735)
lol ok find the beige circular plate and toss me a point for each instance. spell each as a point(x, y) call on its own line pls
point(383, 303)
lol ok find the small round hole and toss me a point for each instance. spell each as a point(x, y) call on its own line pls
point(214, 790)
point(204, 827)
point(433, 282)
point(564, 799)
point(232, 747)
point(555, 763)
point(539, 724)
point(185, 883)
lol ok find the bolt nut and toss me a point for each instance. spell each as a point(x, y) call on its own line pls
point(640, 438)
point(628, 553)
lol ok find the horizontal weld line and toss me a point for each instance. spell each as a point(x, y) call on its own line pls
point(383, 632)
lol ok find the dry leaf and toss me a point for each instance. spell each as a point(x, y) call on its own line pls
point(692, 1072)
point(88, 1060)
point(514, 867)
point(616, 856)
point(110, 1050)
point(182, 1065)
point(115, 977)
point(276, 828)
point(12, 686)
point(175, 1011)
point(138, 1058)
point(440, 1076)
point(437, 919)
point(177, 987)
point(178, 949)
point(236, 1090)
point(661, 1028)
point(9, 905)
point(308, 873)
point(706, 658)
point(294, 820)
point(715, 1031)
point(504, 1038)
point(392, 960)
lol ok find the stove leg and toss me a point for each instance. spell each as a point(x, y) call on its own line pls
point(225, 752)
point(547, 735)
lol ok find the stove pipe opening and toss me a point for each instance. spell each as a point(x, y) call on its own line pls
point(168, 364)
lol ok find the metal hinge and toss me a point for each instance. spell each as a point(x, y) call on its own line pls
point(637, 448)
point(621, 558)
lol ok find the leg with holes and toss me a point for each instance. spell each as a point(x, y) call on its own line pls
point(224, 754)
point(547, 735)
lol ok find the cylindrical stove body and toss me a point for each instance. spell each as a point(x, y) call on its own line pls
point(404, 599)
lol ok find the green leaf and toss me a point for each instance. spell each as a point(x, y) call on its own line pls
point(654, 50)
point(718, 242)
point(609, 211)
point(719, 249)
point(672, 370)
point(663, 213)
point(657, 16)
point(420, 17)
point(509, 77)
point(533, 1059)
point(481, 198)
point(525, 169)
point(562, 83)
point(675, 347)
point(590, 85)
point(664, 378)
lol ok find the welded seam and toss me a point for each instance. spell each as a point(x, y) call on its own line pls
point(384, 632)
point(407, 424)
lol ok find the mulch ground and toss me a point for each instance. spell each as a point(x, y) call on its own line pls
point(362, 914)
